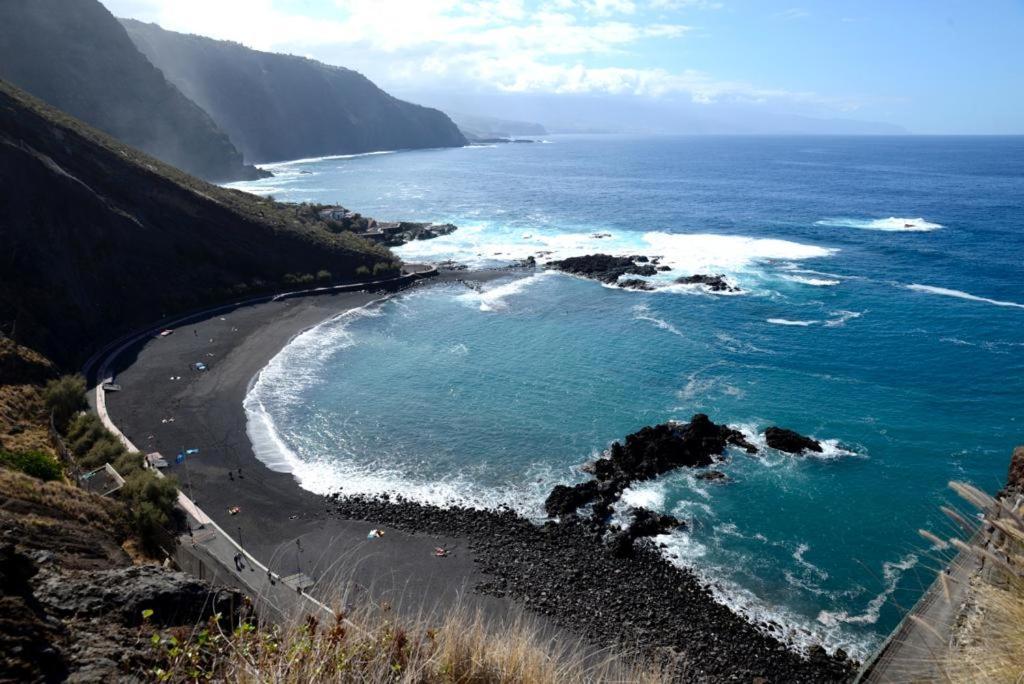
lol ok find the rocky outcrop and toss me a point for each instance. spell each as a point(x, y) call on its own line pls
point(603, 267)
point(71, 602)
point(712, 476)
point(789, 441)
point(636, 284)
point(650, 452)
point(401, 232)
point(124, 593)
point(645, 523)
point(1015, 477)
point(715, 283)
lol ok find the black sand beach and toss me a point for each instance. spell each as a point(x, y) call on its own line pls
point(497, 562)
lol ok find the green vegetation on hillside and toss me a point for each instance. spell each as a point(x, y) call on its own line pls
point(99, 237)
point(38, 464)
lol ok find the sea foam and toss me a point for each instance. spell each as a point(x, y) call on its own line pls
point(738, 257)
point(959, 294)
point(892, 224)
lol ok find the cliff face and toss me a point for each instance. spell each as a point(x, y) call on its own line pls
point(71, 602)
point(98, 237)
point(279, 107)
point(77, 57)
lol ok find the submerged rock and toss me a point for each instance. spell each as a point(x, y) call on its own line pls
point(789, 441)
point(603, 267)
point(712, 476)
point(715, 283)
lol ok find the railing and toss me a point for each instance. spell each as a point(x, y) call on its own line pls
point(63, 453)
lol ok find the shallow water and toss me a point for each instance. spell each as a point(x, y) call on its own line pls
point(880, 312)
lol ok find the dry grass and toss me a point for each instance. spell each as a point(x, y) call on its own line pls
point(22, 414)
point(373, 645)
point(988, 643)
point(59, 501)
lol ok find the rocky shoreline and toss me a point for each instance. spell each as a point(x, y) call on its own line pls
point(565, 572)
point(607, 580)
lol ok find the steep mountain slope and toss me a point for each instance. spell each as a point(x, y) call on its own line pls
point(77, 57)
point(97, 236)
point(277, 107)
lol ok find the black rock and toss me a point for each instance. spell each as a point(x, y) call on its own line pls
point(712, 476)
point(789, 441)
point(636, 284)
point(564, 500)
point(602, 267)
point(715, 283)
point(651, 451)
point(647, 523)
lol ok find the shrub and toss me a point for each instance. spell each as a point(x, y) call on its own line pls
point(362, 271)
point(80, 425)
point(64, 397)
point(151, 500)
point(323, 276)
point(91, 434)
point(35, 463)
point(107, 449)
point(127, 463)
point(384, 268)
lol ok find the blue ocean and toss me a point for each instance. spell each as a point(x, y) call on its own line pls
point(881, 311)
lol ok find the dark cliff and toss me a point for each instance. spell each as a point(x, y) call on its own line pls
point(77, 57)
point(98, 236)
point(279, 107)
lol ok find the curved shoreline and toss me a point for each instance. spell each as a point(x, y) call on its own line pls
point(497, 560)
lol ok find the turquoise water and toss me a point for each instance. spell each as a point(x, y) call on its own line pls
point(900, 345)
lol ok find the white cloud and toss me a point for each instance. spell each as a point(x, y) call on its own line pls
point(508, 45)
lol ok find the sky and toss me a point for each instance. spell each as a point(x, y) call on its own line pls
point(928, 66)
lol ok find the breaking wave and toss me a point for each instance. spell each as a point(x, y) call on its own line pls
point(959, 294)
point(738, 257)
point(892, 224)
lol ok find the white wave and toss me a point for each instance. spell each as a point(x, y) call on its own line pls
point(698, 387)
point(492, 297)
point(777, 621)
point(786, 321)
point(273, 166)
point(996, 346)
point(959, 294)
point(891, 573)
point(892, 224)
point(737, 346)
point(831, 449)
point(841, 317)
point(642, 313)
point(798, 556)
point(737, 257)
point(650, 495)
point(816, 282)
